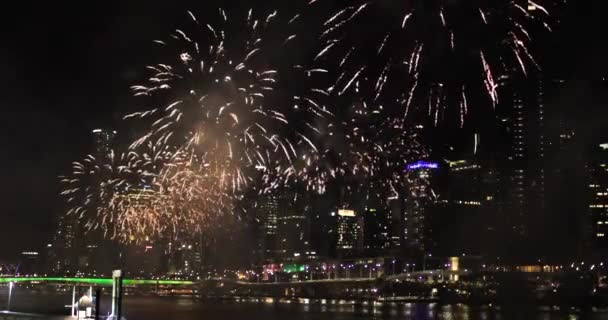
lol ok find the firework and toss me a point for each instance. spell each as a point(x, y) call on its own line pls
point(367, 153)
point(159, 193)
point(426, 55)
point(221, 129)
point(184, 199)
point(96, 183)
point(217, 99)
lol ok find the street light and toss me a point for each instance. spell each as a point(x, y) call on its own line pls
point(10, 294)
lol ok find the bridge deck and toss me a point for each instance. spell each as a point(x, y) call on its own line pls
point(94, 281)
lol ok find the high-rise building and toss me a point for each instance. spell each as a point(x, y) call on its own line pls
point(186, 258)
point(414, 207)
point(464, 218)
point(96, 254)
point(62, 253)
point(292, 227)
point(267, 212)
point(103, 141)
point(377, 222)
point(29, 263)
point(528, 184)
point(598, 198)
point(565, 228)
point(523, 165)
point(72, 249)
point(350, 233)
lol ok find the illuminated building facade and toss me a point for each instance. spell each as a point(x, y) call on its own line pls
point(598, 198)
point(29, 263)
point(466, 209)
point(292, 227)
point(413, 208)
point(187, 258)
point(267, 212)
point(61, 258)
point(72, 250)
point(522, 159)
point(377, 222)
point(103, 141)
point(349, 233)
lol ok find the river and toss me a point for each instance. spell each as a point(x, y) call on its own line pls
point(165, 308)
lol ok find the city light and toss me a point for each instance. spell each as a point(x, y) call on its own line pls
point(96, 281)
point(423, 165)
point(346, 213)
point(271, 184)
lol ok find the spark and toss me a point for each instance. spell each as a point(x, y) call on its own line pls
point(413, 37)
point(212, 135)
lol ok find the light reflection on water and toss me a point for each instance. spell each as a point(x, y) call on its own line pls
point(155, 308)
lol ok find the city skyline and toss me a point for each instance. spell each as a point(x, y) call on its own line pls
point(52, 207)
point(309, 159)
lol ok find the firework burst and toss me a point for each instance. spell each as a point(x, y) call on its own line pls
point(99, 186)
point(221, 130)
point(367, 152)
point(427, 55)
point(217, 100)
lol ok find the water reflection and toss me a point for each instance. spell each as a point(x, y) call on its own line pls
point(156, 308)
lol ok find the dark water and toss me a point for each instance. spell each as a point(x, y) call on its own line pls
point(155, 308)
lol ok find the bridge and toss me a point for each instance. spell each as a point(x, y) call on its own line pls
point(428, 274)
point(416, 285)
point(106, 282)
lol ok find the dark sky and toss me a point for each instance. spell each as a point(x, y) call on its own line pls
point(66, 68)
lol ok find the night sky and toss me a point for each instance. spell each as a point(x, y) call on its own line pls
point(66, 69)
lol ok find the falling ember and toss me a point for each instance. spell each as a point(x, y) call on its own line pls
point(367, 152)
point(221, 126)
point(414, 36)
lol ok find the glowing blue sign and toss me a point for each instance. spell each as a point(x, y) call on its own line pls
point(422, 165)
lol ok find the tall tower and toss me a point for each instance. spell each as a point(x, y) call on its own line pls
point(61, 250)
point(414, 207)
point(598, 198)
point(72, 249)
point(96, 254)
point(350, 233)
point(267, 212)
point(103, 141)
point(522, 120)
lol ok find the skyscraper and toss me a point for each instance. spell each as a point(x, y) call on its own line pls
point(414, 207)
point(103, 141)
point(292, 226)
point(377, 222)
point(522, 164)
point(598, 198)
point(350, 233)
point(74, 249)
point(267, 212)
point(61, 251)
point(464, 218)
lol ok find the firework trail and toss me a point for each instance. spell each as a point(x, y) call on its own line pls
point(99, 186)
point(217, 100)
point(216, 128)
point(159, 193)
point(184, 199)
point(421, 54)
point(366, 151)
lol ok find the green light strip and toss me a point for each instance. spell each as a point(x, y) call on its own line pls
point(96, 281)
